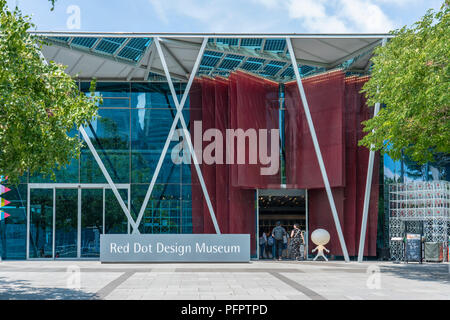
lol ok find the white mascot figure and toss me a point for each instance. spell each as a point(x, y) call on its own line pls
point(320, 237)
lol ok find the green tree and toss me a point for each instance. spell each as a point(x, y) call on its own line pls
point(39, 103)
point(411, 79)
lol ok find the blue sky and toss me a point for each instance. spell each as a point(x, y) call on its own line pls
point(265, 16)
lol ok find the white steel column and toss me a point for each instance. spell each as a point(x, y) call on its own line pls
point(28, 221)
point(108, 178)
point(187, 137)
point(79, 224)
point(54, 224)
point(307, 224)
point(317, 149)
point(362, 237)
point(258, 232)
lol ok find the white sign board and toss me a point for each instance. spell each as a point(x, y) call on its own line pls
point(175, 248)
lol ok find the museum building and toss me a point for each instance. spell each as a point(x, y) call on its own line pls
point(305, 88)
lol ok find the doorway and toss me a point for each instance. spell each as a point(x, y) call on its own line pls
point(64, 221)
point(289, 206)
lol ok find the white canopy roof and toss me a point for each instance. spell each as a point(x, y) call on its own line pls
point(133, 56)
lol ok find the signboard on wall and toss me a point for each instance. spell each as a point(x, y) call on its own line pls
point(413, 247)
point(174, 248)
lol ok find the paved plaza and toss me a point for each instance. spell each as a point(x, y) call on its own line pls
point(286, 280)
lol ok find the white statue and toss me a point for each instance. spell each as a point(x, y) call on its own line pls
point(320, 237)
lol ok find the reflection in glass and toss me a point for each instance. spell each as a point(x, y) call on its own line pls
point(163, 211)
point(41, 223)
point(153, 95)
point(108, 89)
point(13, 231)
point(66, 223)
point(150, 128)
point(110, 135)
point(68, 174)
point(91, 222)
point(116, 221)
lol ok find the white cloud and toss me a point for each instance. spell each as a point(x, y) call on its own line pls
point(389, 174)
point(159, 10)
point(314, 16)
point(215, 15)
point(268, 3)
point(324, 16)
point(340, 16)
point(365, 16)
point(398, 2)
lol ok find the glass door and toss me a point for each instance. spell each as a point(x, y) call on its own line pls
point(92, 203)
point(65, 221)
point(40, 215)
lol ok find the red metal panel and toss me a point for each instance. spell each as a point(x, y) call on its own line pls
point(320, 216)
point(325, 95)
point(222, 170)
point(195, 114)
point(256, 108)
point(208, 170)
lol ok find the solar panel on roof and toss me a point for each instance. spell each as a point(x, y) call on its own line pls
point(61, 39)
point(231, 61)
point(257, 60)
point(229, 64)
point(84, 42)
point(251, 65)
point(305, 69)
point(110, 45)
point(213, 53)
point(253, 43)
point(275, 45)
point(230, 41)
point(134, 48)
point(273, 67)
point(204, 69)
point(288, 72)
point(210, 58)
point(234, 57)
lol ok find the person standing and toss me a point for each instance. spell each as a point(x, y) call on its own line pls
point(278, 233)
point(296, 241)
point(270, 247)
point(262, 245)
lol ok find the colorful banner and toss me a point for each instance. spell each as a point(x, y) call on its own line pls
point(3, 178)
point(4, 189)
point(3, 215)
point(4, 202)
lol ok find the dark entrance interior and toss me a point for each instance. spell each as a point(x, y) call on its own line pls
point(285, 205)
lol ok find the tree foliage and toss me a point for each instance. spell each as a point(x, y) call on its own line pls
point(39, 103)
point(411, 79)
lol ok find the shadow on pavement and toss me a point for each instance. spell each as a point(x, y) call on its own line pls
point(22, 290)
point(420, 272)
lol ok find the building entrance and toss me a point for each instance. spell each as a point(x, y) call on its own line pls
point(64, 221)
point(288, 206)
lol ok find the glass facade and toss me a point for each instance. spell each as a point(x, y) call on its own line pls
point(129, 134)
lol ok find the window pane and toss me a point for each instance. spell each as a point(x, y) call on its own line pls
point(14, 229)
point(67, 174)
point(66, 223)
point(109, 89)
point(41, 223)
point(91, 222)
point(150, 128)
point(153, 95)
point(110, 135)
point(163, 211)
point(116, 221)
